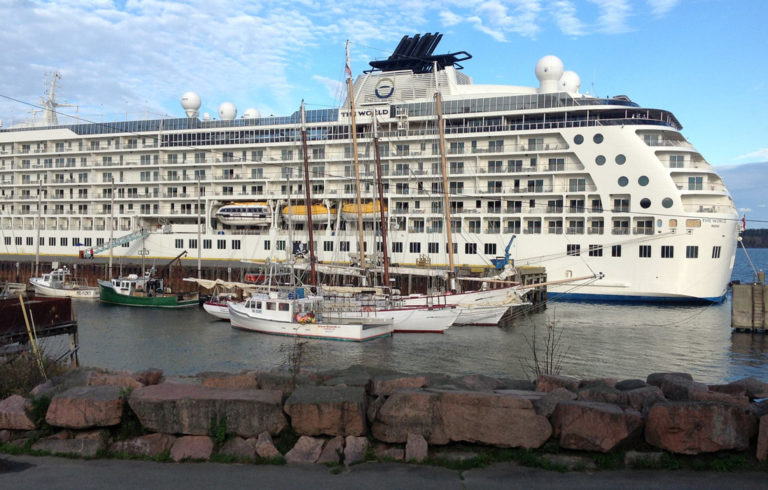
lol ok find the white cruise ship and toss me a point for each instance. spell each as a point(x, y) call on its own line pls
point(587, 185)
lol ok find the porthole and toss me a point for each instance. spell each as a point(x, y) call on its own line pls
point(598, 138)
point(578, 139)
point(642, 180)
point(666, 202)
point(600, 160)
point(621, 159)
point(645, 203)
point(623, 181)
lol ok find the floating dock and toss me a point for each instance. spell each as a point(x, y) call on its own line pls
point(749, 307)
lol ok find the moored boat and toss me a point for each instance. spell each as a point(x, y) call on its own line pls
point(298, 214)
point(244, 214)
point(146, 291)
point(60, 283)
point(286, 314)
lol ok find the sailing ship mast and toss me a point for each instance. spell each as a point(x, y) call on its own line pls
point(308, 198)
point(380, 187)
point(444, 171)
point(351, 91)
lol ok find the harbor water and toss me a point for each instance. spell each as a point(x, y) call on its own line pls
point(595, 340)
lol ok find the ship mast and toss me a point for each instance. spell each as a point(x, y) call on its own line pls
point(351, 91)
point(380, 187)
point(308, 197)
point(444, 171)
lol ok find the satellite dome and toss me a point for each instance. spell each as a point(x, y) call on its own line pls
point(206, 117)
point(549, 69)
point(227, 111)
point(251, 113)
point(190, 101)
point(570, 82)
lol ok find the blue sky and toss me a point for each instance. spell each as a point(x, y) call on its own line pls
point(705, 60)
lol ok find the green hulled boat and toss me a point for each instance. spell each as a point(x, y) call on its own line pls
point(144, 291)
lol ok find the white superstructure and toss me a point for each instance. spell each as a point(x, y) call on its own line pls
point(588, 185)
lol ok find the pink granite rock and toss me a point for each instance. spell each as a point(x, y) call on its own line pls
point(265, 447)
point(243, 449)
point(332, 451)
point(86, 406)
point(762, 440)
point(327, 410)
point(699, 427)
point(354, 449)
point(192, 447)
point(84, 444)
point(386, 385)
point(416, 448)
point(178, 408)
point(593, 426)
point(240, 381)
point(126, 381)
point(13, 414)
point(387, 452)
point(546, 404)
point(547, 382)
point(149, 445)
point(442, 416)
point(306, 450)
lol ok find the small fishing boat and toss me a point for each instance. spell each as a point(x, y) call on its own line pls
point(146, 291)
point(244, 214)
point(223, 293)
point(292, 314)
point(60, 283)
point(480, 307)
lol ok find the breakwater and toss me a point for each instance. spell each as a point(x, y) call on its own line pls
point(344, 416)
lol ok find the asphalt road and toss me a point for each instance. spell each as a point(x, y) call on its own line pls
point(19, 472)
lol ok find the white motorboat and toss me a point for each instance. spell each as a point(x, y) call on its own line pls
point(481, 307)
point(60, 283)
point(296, 316)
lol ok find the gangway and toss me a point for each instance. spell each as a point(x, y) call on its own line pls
point(90, 252)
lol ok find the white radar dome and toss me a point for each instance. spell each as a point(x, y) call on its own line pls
point(570, 82)
point(251, 113)
point(227, 111)
point(549, 69)
point(191, 102)
point(206, 117)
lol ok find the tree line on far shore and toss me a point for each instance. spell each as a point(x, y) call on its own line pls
point(757, 238)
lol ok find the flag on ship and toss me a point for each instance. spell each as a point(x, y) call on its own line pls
point(347, 70)
point(743, 222)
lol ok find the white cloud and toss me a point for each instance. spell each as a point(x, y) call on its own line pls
point(334, 87)
point(448, 18)
point(564, 13)
point(661, 7)
point(745, 210)
point(613, 16)
point(761, 154)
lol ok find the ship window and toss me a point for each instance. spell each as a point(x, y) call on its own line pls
point(645, 251)
point(595, 250)
point(221, 244)
point(621, 159)
point(673, 223)
point(616, 251)
point(470, 248)
point(716, 252)
point(414, 247)
point(207, 243)
point(642, 180)
point(327, 246)
point(578, 139)
point(192, 243)
point(693, 223)
point(623, 181)
point(283, 306)
point(490, 248)
point(598, 138)
point(397, 247)
point(270, 305)
point(667, 251)
point(344, 246)
point(600, 160)
point(433, 247)
point(691, 252)
point(666, 202)
point(645, 203)
point(573, 249)
point(179, 243)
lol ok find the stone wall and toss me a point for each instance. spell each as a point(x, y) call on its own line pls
point(339, 416)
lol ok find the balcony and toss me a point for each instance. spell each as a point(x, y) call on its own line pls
point(595, 230)
point(642, 231)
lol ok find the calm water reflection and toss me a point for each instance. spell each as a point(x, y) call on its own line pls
point(601, 340)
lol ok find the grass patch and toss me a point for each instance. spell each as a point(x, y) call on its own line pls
point(609, 461)
point(20, 373)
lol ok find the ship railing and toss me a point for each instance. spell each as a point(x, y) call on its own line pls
point(620, 231)
point(595, 230)
point(532, 231)
point(555, 230)
point(642, 231)
point(579, 230)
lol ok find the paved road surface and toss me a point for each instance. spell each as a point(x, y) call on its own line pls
point(18, 472)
